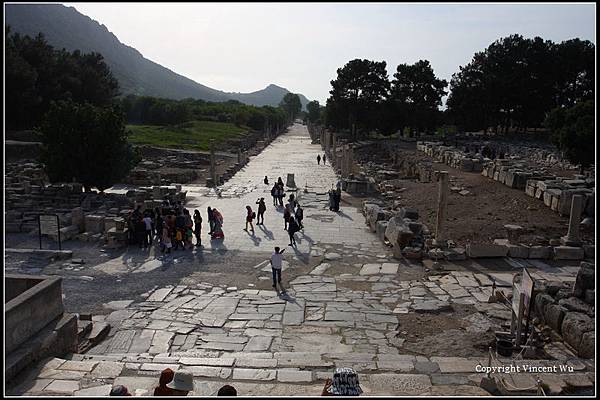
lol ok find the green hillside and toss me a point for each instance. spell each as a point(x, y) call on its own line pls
point(192, 135)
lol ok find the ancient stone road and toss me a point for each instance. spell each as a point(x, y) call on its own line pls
point(267, 343)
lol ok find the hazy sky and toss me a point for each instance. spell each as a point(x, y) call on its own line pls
point(244, 47)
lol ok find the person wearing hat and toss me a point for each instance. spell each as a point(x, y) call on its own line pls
point(344, 383)
point(119, 390)
point(182, 383)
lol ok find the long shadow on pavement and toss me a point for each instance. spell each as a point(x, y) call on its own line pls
point(268, 233)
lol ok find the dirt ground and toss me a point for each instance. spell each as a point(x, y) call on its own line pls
point(443, 334)
point(481, 215)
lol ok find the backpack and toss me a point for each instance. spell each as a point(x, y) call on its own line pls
point(253, 215)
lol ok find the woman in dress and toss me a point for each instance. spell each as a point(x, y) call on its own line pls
point(217, 225)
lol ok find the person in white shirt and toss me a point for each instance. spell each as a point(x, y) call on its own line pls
point(148, 236)
point(276, 265)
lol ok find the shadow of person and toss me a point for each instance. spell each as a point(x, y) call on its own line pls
point(218, 245)
point(254, 238)
point(284, 295)
point(301, 256)
point(344, 215)
point(268, 233)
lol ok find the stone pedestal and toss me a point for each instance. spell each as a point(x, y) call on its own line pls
point(514, 233)
point(290, 181)
point(78, 219)
point(572, 237)
point(442, 205)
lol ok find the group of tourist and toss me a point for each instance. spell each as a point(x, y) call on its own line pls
point(277, 192)
point(172, 226)
point(180, 383)
point(293, 214)
point(319, 159)
point(173, 383)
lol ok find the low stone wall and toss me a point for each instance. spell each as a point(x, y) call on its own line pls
point(569, 311)
point(518, 173)
point(26, 313)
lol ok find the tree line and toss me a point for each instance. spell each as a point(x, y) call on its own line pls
point(514, 84)
point(73, 101)
point(158, 111)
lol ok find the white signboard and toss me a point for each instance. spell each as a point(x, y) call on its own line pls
point(48, 224)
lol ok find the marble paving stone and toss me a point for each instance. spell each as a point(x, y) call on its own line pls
point(62, 386)
point(254, 374)
point(208, 372)
point(107, 369)
point(102, 390)
point(256, 362)
point(85, 366)
point(159, 294)
point(208, 361)
point(259, 343)
point(294, 376)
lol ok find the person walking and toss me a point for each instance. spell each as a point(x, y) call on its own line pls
point(324, 158)
point(274, 194)
point(249, 218)
point(276, 266)
point(292, 202)
point(262, 207)
point(211, 220)
point(286, 216)
point(299, 216)
point(337, 198)
point(292, 229)
point(217, 225)
point(331, 201)
point(166, 240)
point(179, 231)
point(147, 230)
point(280, 194)
point(198, 227)
point(140, 231)
point(266, 180)
point(158, 223)
point(319, 159)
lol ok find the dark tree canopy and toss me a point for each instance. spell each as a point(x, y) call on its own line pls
point(314, 111)
point(416, 95)
point(573, 132)
point(360, 87)
point(515, 82)
point(291, 104)
point(37, 74)
point(86, 143)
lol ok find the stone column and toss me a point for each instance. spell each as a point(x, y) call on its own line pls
point(345, 161)
point(442, 204)
point(239, 154)
point(78, 218)
point(213, 166)
point(327, 141)
point(333, 155)
point(350, 159)
point(572, 238)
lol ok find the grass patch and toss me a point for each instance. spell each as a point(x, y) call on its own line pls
point(192, 135)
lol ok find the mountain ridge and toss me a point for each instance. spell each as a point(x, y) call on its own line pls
point(65, 27)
